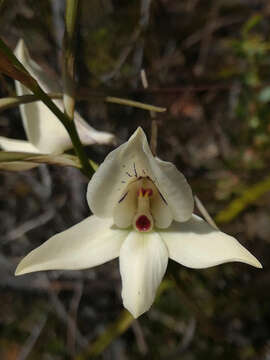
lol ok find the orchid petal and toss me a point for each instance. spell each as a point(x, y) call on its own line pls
point(143, 262)
point(125, 209)
point(196, 244)
point(127, 163)
point(89, 135)
point(17, 145)
point(112, 177)
point(90, 243)
point(161, 212)
point(174, 188)
point(43, 128)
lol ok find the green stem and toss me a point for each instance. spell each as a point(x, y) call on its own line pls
point(71, 16)
point(69, 56)
point(68, 80)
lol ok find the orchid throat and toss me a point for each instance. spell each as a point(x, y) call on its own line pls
point(139, 202)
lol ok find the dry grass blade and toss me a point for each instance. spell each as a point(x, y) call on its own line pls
point(205, 213)
point(10, 102)
point(15, 161)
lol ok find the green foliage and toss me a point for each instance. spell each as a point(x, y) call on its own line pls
point(249, 197)
point(252, 108)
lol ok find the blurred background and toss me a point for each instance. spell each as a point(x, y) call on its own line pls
point(208, 62)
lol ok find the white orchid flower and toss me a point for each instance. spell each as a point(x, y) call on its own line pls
point(45, 132)
point(142, 213)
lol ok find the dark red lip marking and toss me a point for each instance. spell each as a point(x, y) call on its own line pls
point(144, 192)
point(143, 223)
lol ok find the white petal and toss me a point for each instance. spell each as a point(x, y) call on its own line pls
point(196, 244)
point(43, 128)
point(161, 212)
point(45, 81)
point(174, 187)
point(91, 242)
point(127, 163)
point(143, 262)
point(113, 175)
point(17, 145)
point(125, 209)
point(89, 135)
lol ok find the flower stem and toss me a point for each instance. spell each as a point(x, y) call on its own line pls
point(69, 45)
point(68, 81)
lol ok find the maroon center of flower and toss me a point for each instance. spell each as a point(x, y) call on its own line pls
point(143, 223)
point(145, 192)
